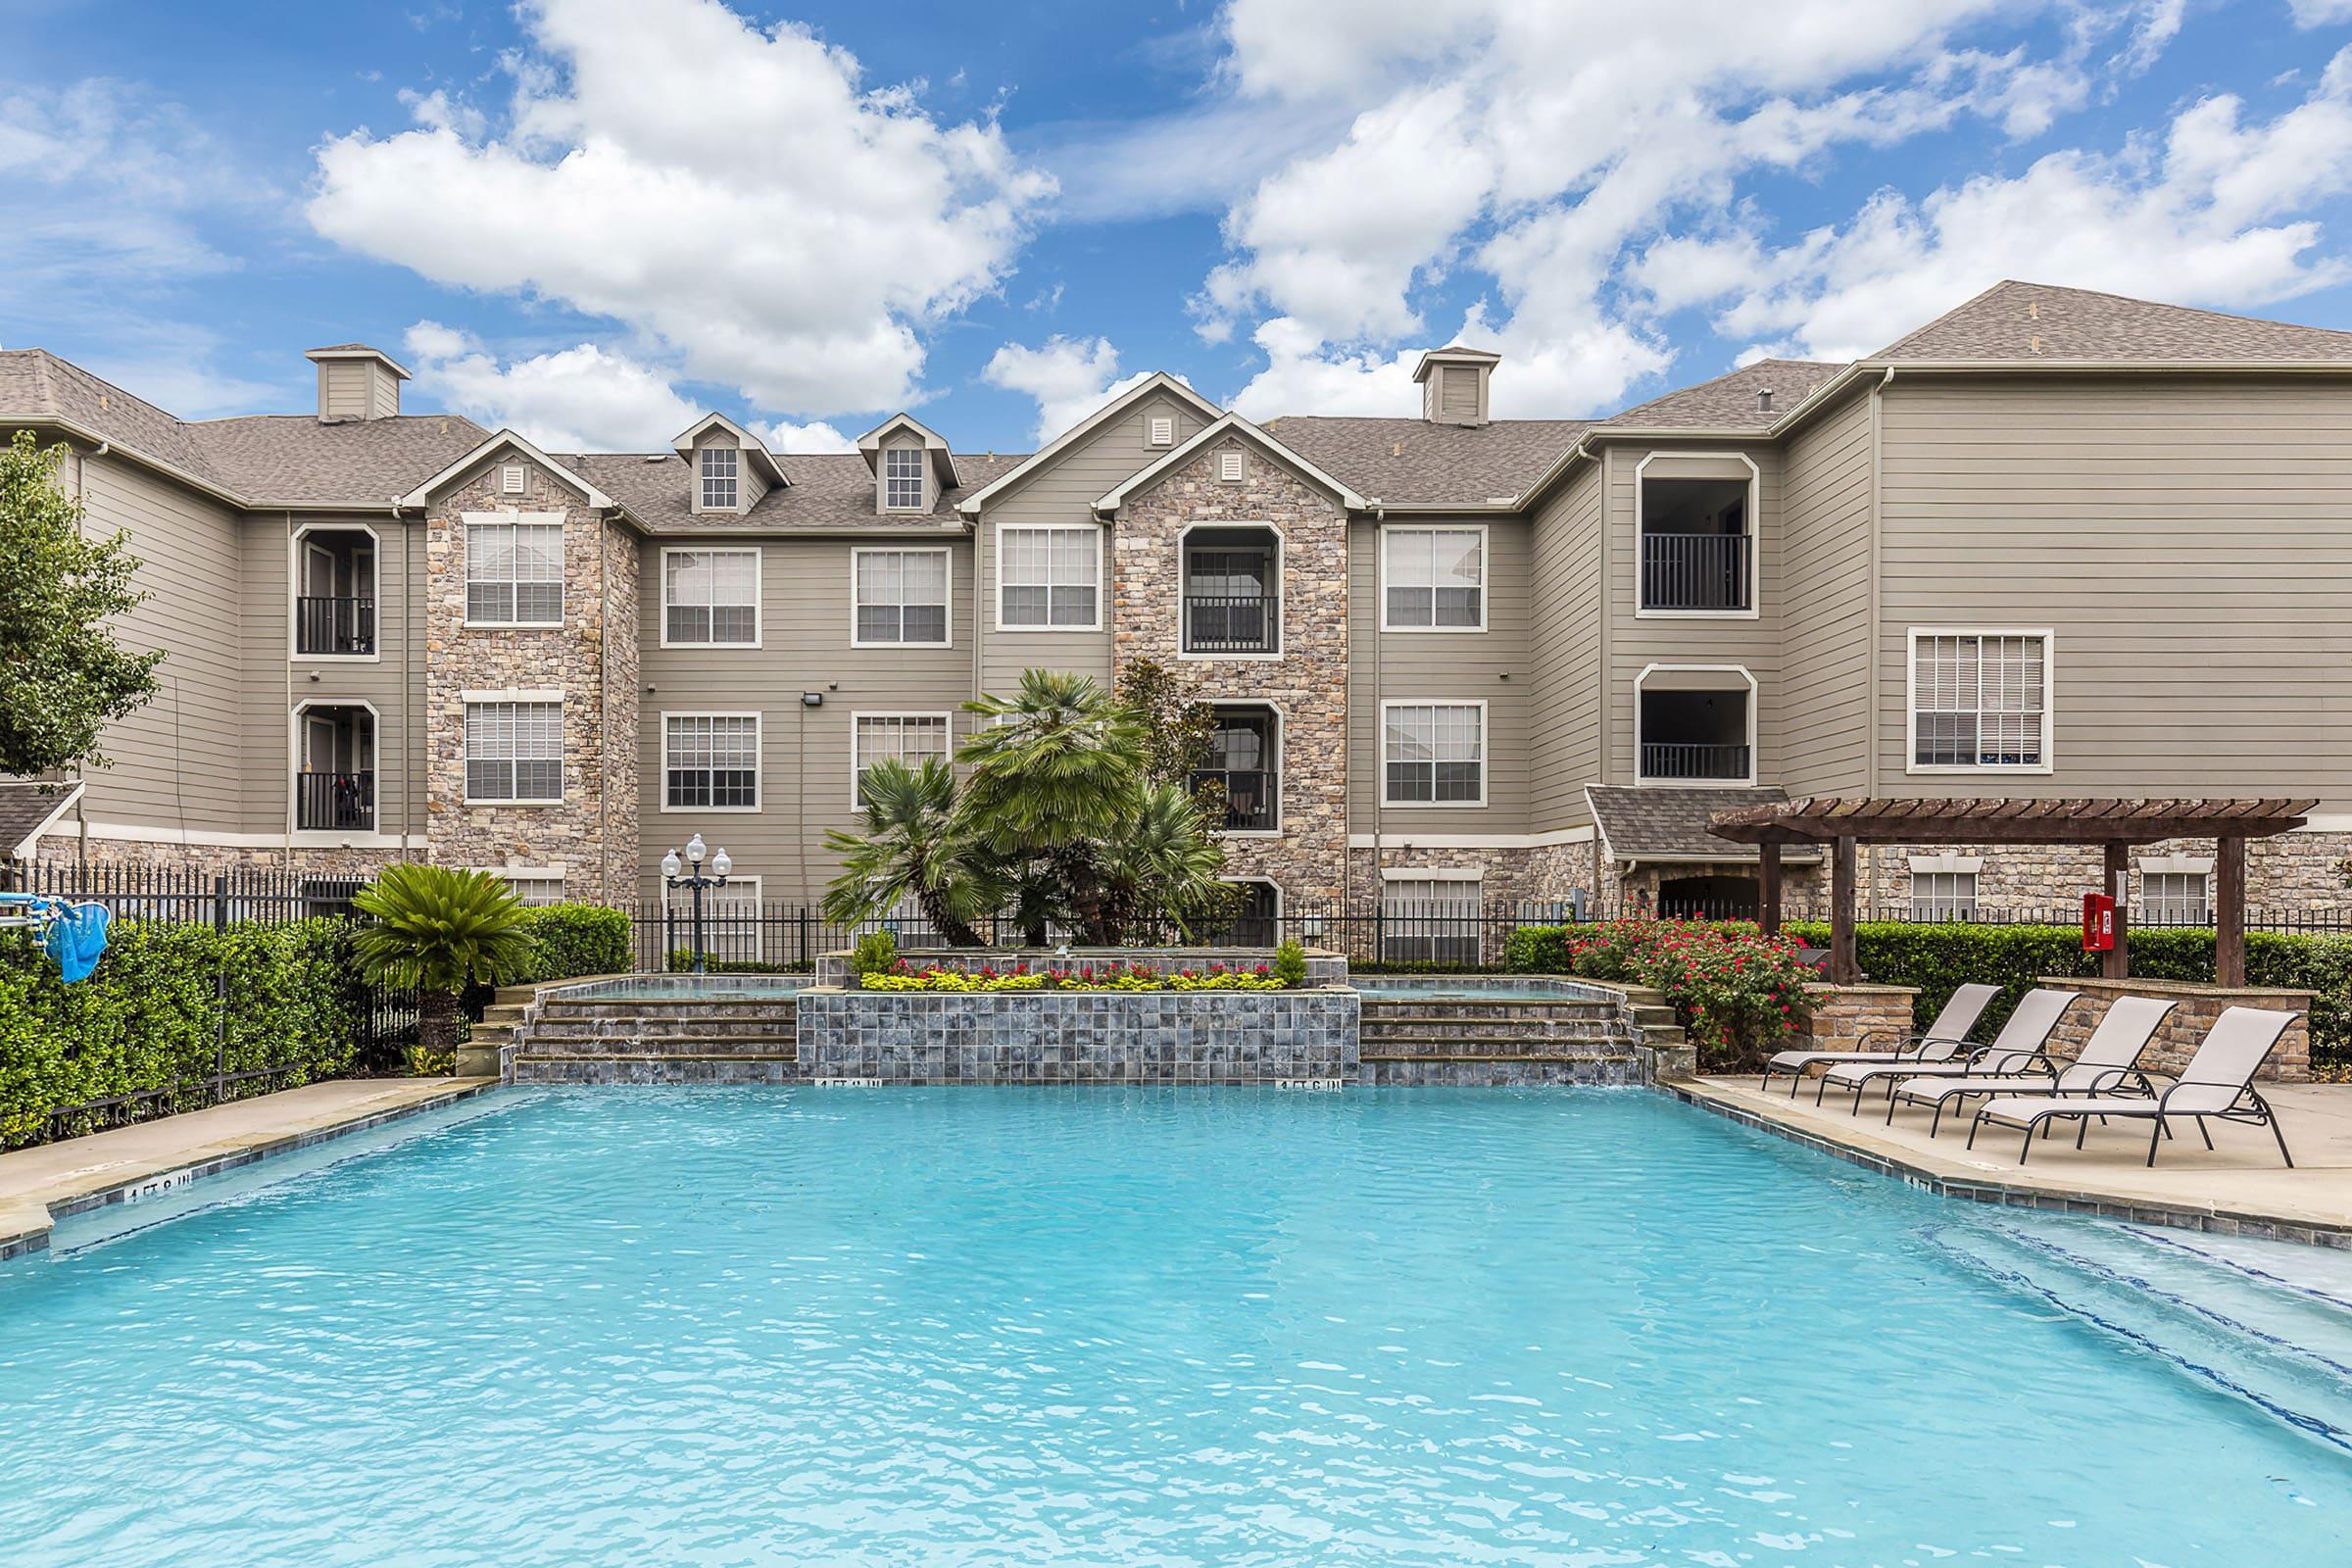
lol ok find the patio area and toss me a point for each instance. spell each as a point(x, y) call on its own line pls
point(2238, 1187)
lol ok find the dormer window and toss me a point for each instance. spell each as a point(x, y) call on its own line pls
point(718, 478)
point(903, 479)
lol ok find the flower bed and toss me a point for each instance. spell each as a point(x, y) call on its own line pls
point(1090, 977)
point(1738, 993)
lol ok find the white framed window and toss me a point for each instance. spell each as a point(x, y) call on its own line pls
point(734, 927)
point(911, 738)
point(899, 598)
point(711, 761)
point(709, 598)
point(719, 474)
point(1433, 579)
point(514, 752)
point(1433, 754)
point(903, 478)
point(1430, 916)
point(2175, 898)
point(514, 573)
point(1162, 431)
point(531, 885)
point(1944, 895)
point(1979, 702)
point(1232, 466)
point(1050, 578)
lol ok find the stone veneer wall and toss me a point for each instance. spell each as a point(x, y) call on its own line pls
point(2287, 871)
point(1856, 1017)
point(592, 835)
point(2194, 1010)
point(1323, 967)
point(1307, 684)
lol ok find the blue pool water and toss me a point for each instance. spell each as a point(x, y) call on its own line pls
point(689, 987)
point(1037, 1327)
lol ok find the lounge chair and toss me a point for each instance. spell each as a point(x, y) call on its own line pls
point(2020, 1044)
point(2218, 1081)
point(1940, 1040)
point(2109, 1062)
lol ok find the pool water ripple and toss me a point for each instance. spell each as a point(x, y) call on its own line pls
point(1152, 1327)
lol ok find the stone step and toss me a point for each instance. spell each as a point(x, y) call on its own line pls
point(668, 1046)
point(656, 1028)
point(1489, 1047)
point(1501, 1026)
point(539, 1058)
point(1531, 1012)
point(736, 1007)
point(1516, 1057)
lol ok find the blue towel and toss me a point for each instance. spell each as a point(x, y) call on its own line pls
point(75, 937)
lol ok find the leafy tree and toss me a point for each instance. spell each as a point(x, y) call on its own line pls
point(915, 844)
point(1163, 863)
point(1176, 728)
point(439, 930)
point(63, 676)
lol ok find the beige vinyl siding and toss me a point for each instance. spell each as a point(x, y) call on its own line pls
point(1564, 631)
point(1637, 642)
point(177, 760)
point(2187, 539)
point(804, 620)
point(1820, 712)
point(347, 390)
point(1442, 667)
point(275, 678)
point(1064, 491)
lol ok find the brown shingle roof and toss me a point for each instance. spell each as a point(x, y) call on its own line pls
point(36, 385)
point(1729, 402)
point(293, 459)
point(25, 805)
point(1404, 461)
point(2028, 321)
point(829, 491)
point(1672, 824)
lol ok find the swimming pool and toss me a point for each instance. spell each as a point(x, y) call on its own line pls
point(1164, 1327)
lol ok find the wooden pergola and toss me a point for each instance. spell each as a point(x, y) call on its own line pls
point(1842, 822)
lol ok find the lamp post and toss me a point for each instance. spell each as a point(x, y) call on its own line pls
point(680, 876)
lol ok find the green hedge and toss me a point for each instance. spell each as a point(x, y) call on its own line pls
point(576, 938)
point(1938, 957)
point(150, 1017)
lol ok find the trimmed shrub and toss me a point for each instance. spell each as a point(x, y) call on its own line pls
point(576, 938)
point(1738, 992)
point(1939, 956)
point(151, 1016)
point(876, 952)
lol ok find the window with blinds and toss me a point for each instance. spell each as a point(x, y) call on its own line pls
point(1050, 578)
point(1436, 579)
point(1944, 895)
point(1434, 754)
point(911, 738)
point(711, 761)
point(514, 575)
point(514, 752)
point(710, 598)
point(1979, 700)
point(902, 598)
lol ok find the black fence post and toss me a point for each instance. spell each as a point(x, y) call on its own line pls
point(220, 986)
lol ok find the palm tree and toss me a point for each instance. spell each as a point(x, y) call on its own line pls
point(1056, 772)
point(1164, 862)
point(438, 930)
point(915, 844)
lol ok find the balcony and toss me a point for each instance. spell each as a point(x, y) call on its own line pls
point(335, 626)
point(1250, 797)
point(335, 803)
point(1695, 571)
point(1673, 760)
point(1224, 624)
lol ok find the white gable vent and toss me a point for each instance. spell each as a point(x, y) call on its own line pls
point(510, 479)
point(1229, 467)
point(1163, 430)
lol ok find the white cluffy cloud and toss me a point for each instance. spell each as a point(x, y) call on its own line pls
point(1068, 378)
point(735, 197)
point(1536, 146)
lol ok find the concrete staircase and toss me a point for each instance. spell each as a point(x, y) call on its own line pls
point(656, 1040)
point(1439, 1041)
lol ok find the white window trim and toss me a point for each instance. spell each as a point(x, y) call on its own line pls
point(858, 715)
point(922, 480)
point(1754, 693)
point(683, 898)
point(512, 874)
point(1486, 756)
point(759, 594)
point(318, 836)
point(1282, 600)
point(945, 553)
point(1101, 565)
point(1486, 576)
point(1282, 725)
point(1756, 542)
point(2049, 705)
point(1975, 894)
point(553, 699)
point(1469, 876)
point(1948, 864)
point(294, 594)
point(2173, 865)
point(758, 763)
point(703, 507)
point(516, 519)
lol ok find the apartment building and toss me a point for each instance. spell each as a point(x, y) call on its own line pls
point(2052, 543)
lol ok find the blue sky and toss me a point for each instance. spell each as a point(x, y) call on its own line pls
point(593, 217)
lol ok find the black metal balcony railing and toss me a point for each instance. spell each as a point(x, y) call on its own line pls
point(334, 625)
point(1666, 759)
point(1221, 625)
point(1695, 571)
point(335, 803)
point(1250, 797)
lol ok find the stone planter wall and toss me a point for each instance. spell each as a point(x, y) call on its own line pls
point(2196, 1008)
point(1323, 968)
point(1078, 1037)
point(1856, 1017)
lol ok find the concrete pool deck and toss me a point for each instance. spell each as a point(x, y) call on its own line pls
point(2237, 1188)
point(41, 1185)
